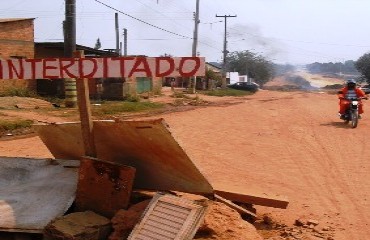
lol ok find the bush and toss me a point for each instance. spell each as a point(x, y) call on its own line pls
point(18, 91)
point(132, 98)
point(110, 108)
point(227, 92)
point(9, 125)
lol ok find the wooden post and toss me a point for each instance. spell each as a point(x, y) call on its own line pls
point(83, 101)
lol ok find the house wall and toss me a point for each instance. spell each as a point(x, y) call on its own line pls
point(17, 40)
point(157, 85)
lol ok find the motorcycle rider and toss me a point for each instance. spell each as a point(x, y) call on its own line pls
point(350, 91)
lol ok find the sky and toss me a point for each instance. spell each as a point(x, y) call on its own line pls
point(283, 31)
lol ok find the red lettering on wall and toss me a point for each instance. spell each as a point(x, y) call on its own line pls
point(171, 68)
point(64, 68)
point(1, 70)
point(13, 70)
point(145, 67)
point(122, 64)
point(46, 67)
point(192, 72)
point(33, 66)
point(105, 67)
point(81, 67)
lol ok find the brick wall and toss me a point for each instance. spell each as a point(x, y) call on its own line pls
point(17, 40)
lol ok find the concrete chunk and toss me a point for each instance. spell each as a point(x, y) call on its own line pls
point(78, 226)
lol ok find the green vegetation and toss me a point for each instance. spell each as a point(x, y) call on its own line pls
point(363, 66)
point(336, 68)
point(227, 92)
point(110, 108)
point(254, 65)
point(180, 95)
point(132, 98)
point(18, 91)
point(9, 125)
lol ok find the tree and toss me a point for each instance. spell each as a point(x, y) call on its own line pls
point(363, 66)
point(97, 44)
point(252, 65)
point(166, 55)
point(214, 77)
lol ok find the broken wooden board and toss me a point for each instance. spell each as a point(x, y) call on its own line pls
point(161, 164)
point(169, 217)
point(244, 195)
point(103, 187)
point(34, 191)
point(237, 208)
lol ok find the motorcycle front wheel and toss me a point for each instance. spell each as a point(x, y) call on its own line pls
point(354, 119)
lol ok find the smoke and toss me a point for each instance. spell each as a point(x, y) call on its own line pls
point(250, 37)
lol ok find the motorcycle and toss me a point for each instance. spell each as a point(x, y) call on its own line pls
point(351, 114)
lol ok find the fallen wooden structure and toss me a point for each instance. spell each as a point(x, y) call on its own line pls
point(148, 146)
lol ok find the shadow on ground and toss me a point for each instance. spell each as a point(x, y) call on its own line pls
point(337, 125)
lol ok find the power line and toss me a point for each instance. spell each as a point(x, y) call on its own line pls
point(137, 19)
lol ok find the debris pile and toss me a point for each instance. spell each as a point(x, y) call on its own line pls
point(177, 202)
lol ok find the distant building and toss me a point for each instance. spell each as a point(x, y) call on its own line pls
point(17, 41)
point(233, 77)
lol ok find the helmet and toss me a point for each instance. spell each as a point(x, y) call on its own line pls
point(351, 83)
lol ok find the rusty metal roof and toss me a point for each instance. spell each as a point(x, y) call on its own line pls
point(168, 218)
point(103, 187)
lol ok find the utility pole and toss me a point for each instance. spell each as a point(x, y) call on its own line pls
point(124, 42)
point(69, 27)
point(225, 52)
point(117, 32)
point(195, 39)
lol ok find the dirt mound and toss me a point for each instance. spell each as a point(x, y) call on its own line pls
point(23, 103)
point(224, 223)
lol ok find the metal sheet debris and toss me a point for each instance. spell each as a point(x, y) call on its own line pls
point(168, 217)
point(103, 187)
point(160, 162)
point(35, 191)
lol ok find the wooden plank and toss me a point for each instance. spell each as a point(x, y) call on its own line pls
point(239, 194)
point(83, 102)
point(234, 206)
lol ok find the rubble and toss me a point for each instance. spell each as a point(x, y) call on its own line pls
point(302, 229)
point(125, 220)
point(78, 226)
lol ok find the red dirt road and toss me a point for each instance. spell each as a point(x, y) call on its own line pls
point(288, 143)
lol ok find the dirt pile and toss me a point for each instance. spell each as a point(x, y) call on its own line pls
point(220, 222)
point(224, 223)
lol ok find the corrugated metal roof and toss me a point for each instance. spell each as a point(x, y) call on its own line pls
point(3, 20)
point(169, 218)
point(34, 191)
